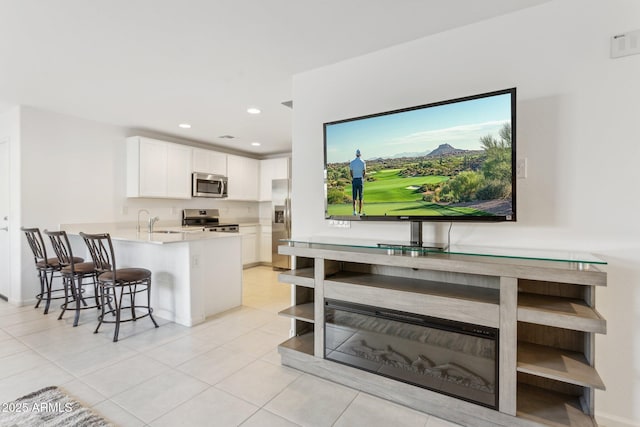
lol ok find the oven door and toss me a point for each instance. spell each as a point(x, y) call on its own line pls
point(208, 185)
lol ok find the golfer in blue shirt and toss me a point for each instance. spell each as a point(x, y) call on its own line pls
point(357, 169)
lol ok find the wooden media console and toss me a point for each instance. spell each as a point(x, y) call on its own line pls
point(542, 304)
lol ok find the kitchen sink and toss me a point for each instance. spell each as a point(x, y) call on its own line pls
point(166, 231)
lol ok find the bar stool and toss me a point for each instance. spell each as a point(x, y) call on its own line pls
point(73, 273)
point(115, 284)
point(46, 267)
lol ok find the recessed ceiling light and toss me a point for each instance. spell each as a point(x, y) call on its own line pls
point(253, 110)
point(185, 125)
point(255, 144)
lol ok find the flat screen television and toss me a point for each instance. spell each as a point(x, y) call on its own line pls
point(452, 160)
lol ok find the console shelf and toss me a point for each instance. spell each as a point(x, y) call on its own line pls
point(302, 343)
point(542, 306)
point(302, 312)
point(298, 277)
point(560, 312)
point(551, 408)
point(557, 364)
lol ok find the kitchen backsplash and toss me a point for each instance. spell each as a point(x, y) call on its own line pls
point(169, 211)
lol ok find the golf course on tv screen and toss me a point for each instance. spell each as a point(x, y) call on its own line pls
point(451, 160)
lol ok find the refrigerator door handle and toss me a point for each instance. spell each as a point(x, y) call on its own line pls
point(287, 216)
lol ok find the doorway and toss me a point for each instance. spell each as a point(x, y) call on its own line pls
point(5, 253)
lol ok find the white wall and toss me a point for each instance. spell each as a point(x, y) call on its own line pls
point(577, 125)
point(72, 171)
point(68, 174)
point(70, 168)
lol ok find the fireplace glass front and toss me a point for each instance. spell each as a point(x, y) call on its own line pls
point(453, 358)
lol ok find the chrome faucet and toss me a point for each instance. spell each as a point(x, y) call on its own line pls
point(152, 220)
point(139, 212)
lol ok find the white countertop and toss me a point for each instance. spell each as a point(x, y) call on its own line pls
point(118, 232)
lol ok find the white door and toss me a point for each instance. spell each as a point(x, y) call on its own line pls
point(5, 254)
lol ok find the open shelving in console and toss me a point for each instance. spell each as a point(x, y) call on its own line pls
point(542, 303)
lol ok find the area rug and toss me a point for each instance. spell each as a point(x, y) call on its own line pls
point(49, 407)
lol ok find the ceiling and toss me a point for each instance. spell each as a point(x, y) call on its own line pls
point(153, 64)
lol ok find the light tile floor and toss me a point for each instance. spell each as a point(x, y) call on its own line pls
point(224, 372)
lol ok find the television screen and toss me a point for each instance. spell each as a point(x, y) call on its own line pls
point(447, 161)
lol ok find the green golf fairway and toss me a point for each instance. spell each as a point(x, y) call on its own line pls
point(389, 187)
point(404, 208)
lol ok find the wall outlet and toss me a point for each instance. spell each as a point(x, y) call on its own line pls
point(625, 44)
point(195, 261)
point(521, 168)
point(339, 223)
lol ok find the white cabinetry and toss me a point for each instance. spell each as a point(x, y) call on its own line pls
point(158, 169)
point(249, 244)
point(243, 175)
point(265, 243)
point(271, 169)
point(208, 161)
point(178, 171)
point(152, 165)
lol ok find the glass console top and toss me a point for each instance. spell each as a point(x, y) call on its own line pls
point(400, 248)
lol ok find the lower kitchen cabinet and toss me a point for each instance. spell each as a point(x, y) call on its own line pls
point(249, 245)
point(265, 244)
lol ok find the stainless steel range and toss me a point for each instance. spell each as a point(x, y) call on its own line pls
point(208, 219)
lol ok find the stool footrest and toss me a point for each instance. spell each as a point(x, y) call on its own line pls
point(147, 310)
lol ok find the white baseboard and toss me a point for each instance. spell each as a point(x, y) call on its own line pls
point(22, 303)
point(608, 420)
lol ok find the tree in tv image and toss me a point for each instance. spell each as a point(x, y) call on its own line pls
point(451, 160)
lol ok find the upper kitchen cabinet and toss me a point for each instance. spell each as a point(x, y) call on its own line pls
point(243, 174)
point(158, 169)
point(271, 169)
point(208, 161)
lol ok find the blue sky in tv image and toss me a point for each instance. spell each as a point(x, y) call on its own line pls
point(416, 132)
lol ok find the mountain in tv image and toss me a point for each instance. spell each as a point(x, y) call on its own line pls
point(446, 181)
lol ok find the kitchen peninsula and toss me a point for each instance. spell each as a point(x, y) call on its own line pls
point(195, 273)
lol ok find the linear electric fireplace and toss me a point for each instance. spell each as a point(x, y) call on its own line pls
point(453, 358)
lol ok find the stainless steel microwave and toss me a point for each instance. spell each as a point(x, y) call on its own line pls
point(209, 185)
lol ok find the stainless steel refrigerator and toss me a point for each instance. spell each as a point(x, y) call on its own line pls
point(280, 221)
